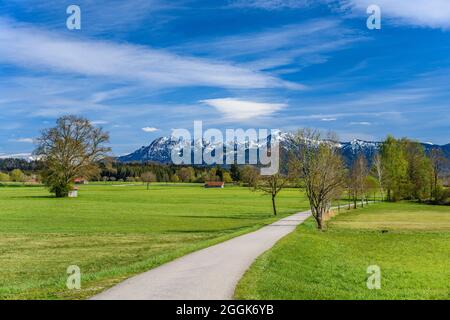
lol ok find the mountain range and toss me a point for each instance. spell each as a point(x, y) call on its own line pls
point(159, 150)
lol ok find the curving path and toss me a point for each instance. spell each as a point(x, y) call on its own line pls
point(208, 274)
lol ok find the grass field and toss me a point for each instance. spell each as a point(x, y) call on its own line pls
point(409, 242)
point(112, 232)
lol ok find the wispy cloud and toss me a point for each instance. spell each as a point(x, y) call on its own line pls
point(24, 140)
point(149, 129)
point(99, 122)
point(100, 16)
point(424, 13)
point(270, 4)
point(361, 123)
point(30, 47)
point(241, 110)
point(294, 45)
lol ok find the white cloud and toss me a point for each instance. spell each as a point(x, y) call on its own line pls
point(24, 140)
point(99, 122)
point(424, 13)
point(240, 110)
point(31, 47)
point(361, 123)
point(149, 129)
point(328, 119)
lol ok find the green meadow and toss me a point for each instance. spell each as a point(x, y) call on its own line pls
point(409, 242)
point(115, 231)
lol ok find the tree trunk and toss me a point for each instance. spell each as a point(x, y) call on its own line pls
point(148, 185)
point(274, 206)
point(320, 223)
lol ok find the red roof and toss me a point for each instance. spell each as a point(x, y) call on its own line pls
point(214, 183)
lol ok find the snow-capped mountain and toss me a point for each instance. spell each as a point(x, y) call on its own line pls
point(22, 156)
point(159, 151)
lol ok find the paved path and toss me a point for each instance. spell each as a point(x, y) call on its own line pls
point(211, 273)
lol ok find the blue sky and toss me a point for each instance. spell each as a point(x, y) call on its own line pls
point(140, 68)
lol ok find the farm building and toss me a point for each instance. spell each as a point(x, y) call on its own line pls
point(214, 184)
point(73, 193)
point(81, 181)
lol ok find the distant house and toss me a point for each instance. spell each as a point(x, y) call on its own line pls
point(81, 181)
point(214, 184)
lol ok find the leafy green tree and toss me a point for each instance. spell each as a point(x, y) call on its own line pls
point(440, 164)
point(419, 171)
point(4, 177)
point(395, 167)
point(174, 178)
point(235, 172)
point(17, 175)
point(226, 177)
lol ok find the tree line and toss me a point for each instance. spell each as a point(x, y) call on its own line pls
point(401, 169)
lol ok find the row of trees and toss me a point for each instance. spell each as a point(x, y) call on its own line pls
point(17, 175)
point(405, 171)
point(114, 171)
point(401, 169)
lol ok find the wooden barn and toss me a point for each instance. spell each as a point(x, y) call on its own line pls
point(215, 184)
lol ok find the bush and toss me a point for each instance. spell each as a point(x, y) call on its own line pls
point(17, 175)
point(442, 195)
point(4, 177)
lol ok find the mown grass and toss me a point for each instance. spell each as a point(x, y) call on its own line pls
point(114, 231)
point(409, 242)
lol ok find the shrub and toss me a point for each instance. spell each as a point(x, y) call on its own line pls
point(4, 177)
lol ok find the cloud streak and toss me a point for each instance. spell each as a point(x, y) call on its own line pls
point(271, 4)
point(29, 47)
point(149, 129)
point(423, 13)
point(297, 45)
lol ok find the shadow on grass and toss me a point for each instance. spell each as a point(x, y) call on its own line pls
point(213, 232)
point(37, 197)
point(227, 217)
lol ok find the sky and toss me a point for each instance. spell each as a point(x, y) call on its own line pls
point(141, 68)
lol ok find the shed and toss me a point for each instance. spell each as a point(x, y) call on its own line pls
point(215, 184)
point(73, 193)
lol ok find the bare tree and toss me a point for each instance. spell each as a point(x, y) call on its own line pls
point(70, 150)
point(250, 176)
point(378, 170)
point(357, 180)
point(320, 166)
point(272, 185)
point(148, 177)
